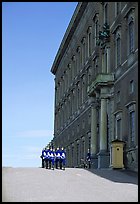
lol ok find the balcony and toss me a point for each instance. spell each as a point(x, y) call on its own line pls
point(100, 81)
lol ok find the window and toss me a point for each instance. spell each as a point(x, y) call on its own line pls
point(96, 31)
point(95, 27)
point(118, 131)
point(118, 51)
point(89, 41)
point(89, 75)
point(83, 89)
point(83, 51)
point(118, 97)
point(131, 86)
point(131, 122)
point(105, 13)
point(117, 39)
point(132, 128)
point(117, 7)
point(83, 124)
point(118, 126)
point(131, 36)
point(130, 17)
point(73, 67)
point(78, 95)
point(69, 79)
point(78, 58)
point(95, 66)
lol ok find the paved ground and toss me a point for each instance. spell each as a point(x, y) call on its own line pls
point(70, 185)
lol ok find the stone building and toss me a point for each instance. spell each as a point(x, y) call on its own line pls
point(96, 83)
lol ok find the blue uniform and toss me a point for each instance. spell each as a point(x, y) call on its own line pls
point(42, 157)
point(62, 159)
point(46, 157)
point(51, 159)
point(57, 158)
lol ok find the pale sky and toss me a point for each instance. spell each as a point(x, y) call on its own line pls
point(31, 35)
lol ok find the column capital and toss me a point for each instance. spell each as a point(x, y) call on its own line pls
point(104, 94)
point(94, 104)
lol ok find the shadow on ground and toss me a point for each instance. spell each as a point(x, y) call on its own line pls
point(119, 175)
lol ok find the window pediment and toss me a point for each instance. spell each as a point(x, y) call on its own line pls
point(116, 29)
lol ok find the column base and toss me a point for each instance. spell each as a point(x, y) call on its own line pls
point(103, 159)
point(94, 161)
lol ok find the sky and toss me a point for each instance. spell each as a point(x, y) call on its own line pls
point(31, 36)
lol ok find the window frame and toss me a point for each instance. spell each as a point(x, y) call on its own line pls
point(117, 39)
point(130, 36)
point(118, 117)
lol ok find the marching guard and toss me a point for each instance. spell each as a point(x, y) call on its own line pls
point(62, 158)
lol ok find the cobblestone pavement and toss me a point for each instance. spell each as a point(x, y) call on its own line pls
point(69, 185)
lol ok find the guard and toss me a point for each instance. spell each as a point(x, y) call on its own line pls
point(42, 157)
point(62, 158)
point(47, 157)
point(57, 157)
point(51, 158)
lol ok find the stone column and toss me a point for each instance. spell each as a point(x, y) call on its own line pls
point(93, 136)
point(103, 155)
point(103, 125)
point(93, 130)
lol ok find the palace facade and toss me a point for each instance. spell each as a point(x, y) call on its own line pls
point(96, 84)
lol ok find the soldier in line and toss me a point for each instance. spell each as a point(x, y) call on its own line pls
point(57, 158)
point(62, 158)
point(46, 157)
point(42, 157)
point(51, 158)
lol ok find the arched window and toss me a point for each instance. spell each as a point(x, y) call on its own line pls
point(130, 19)
point(83, 50)
point(132, 123)
point(118, 49)
point(89, 41)
point(117, 8)
point(132, 128)
point(105, 13)
point(131, 36)
point(118, 125)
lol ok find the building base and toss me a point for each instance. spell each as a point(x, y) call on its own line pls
point(94, 161)
point(103, 159)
